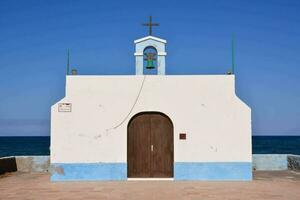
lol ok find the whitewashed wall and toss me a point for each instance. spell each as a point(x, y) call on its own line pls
point(205, 107)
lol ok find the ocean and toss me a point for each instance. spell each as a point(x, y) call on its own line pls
point(16, 146)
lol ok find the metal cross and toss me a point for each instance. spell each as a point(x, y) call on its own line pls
point(150, 24)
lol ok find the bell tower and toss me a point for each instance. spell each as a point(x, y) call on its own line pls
point(150, 53)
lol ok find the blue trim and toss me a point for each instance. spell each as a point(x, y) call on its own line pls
point(213, 171)
point(88, 171)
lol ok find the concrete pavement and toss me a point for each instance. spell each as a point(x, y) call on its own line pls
point(266, 185)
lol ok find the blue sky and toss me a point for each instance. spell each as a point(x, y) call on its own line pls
point(35, 35)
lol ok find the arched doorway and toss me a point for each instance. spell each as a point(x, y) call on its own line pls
point(150, 146)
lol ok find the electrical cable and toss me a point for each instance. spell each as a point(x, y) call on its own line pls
point(132, 107)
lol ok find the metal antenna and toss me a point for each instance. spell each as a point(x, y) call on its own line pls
point(232, 55)
point(68, 62)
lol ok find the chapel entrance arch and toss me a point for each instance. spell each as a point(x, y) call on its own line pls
point(150, 146)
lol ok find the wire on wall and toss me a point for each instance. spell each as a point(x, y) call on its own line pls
point(132, 107)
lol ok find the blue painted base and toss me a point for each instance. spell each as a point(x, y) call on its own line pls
point(88, 171)
point(210, 171)
point(213, 171)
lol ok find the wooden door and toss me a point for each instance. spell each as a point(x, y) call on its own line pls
point(150, 146)
point(139, 147)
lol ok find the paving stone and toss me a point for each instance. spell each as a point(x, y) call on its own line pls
point(266, 185)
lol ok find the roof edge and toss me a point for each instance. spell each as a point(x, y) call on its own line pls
point(150, 37)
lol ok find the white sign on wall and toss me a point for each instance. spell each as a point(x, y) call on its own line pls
point(64, 107)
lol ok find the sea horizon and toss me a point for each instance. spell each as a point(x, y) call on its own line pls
point(292, 135)
point(40, 145)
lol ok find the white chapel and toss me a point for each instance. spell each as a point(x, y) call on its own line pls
point(150, 124)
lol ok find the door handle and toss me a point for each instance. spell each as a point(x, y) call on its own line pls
point(151, 147)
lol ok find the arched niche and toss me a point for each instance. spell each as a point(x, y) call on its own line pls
point(144, 43)
point(150, 60)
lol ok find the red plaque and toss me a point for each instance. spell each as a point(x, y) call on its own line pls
point(182, 136)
